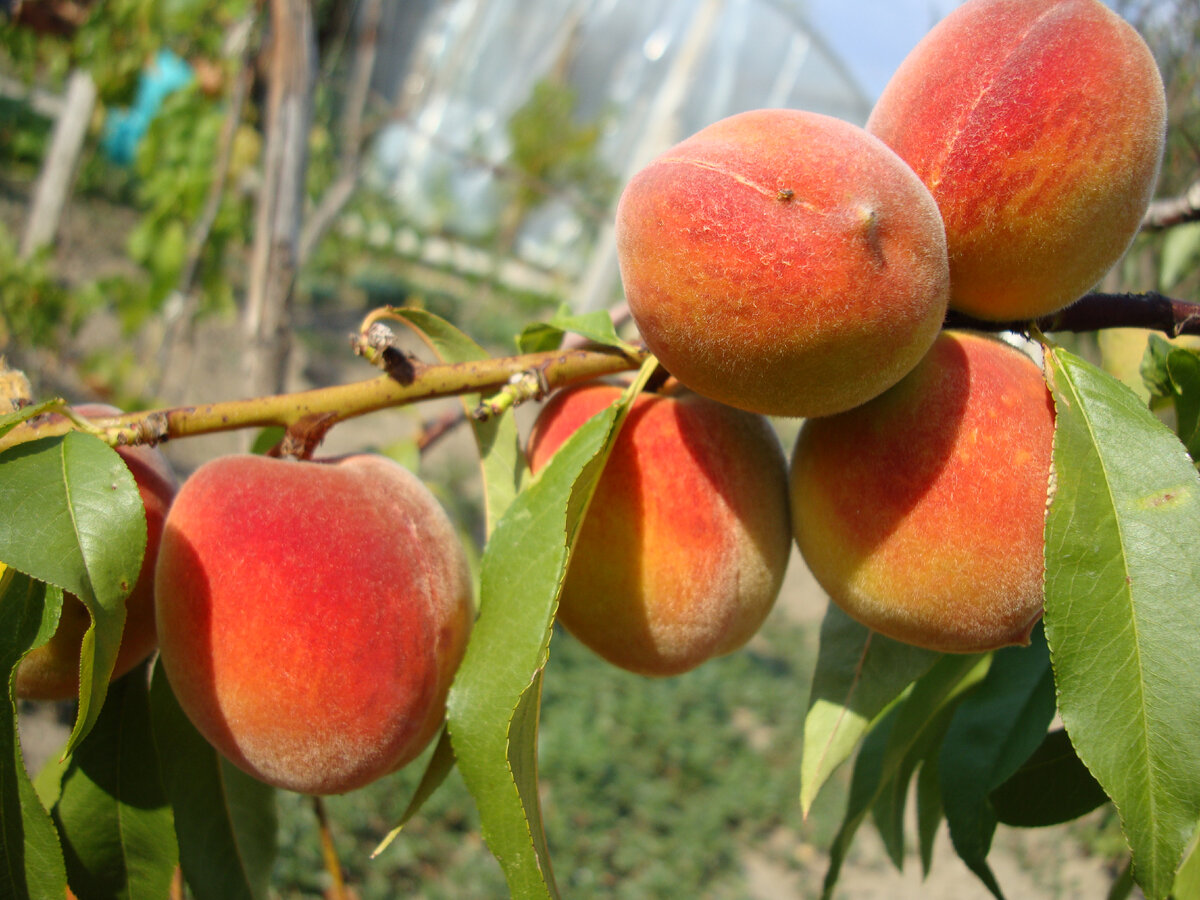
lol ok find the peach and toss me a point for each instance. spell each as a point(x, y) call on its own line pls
point(921, 513)
point(1038, 126)
point(311, 615)
point(684, 546)
point(783, 262)
point(51, 672)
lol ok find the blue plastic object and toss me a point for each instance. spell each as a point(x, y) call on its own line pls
point(125, 128)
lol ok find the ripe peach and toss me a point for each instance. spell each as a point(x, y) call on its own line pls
point(921, 513)
point(311, 615)
point(1039, 127)
point(685, 544)
point(783, 262)
point(51, 672)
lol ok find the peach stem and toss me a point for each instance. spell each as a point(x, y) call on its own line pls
point(333, 865)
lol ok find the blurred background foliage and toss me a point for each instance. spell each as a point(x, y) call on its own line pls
point(702, 769)
point(167, 181)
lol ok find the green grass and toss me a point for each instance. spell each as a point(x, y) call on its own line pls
point(650, 788)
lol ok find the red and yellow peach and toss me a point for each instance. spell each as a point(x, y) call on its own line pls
point(311, 615)
point(1038, 126)
point(783, 262)
point(685, 544)
point(921, 513)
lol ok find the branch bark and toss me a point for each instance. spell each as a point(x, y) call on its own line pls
point(342, 402)
point(1097, 311)
point(275, 259)
point(1174, 211)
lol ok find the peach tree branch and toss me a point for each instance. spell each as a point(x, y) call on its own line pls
point(1173, 211)
point(1096, 311)
point(328, 406)
point(309, 414)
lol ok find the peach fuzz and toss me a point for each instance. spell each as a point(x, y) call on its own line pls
point(783, 262)
point(685, 544)
point(51, 672)
point(311, 615)
point(921, 513)
point(1038, 126)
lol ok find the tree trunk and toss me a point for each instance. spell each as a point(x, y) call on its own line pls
point(275, 256)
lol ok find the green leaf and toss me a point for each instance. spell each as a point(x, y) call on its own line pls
point(11, 420)
point(439, 766)
point(993, 731)
point(71, 515)
point(1053, 786)
point(267, 438)
point(922, 749)
point(48, 781)
point(493, 704)
point(112, 813)
point(1123, 884)
point(859, 675)
point(1122, 621)
point(522, 758)
point(1173, 373)
point(499, 444)
point(907, 730)
point(1180, 254)
point(888, 809)
point(1187, 879)
point(866, 782)
point(538, 337)
point(929, 810)
point(224, 819)
point(1154, 366)
point(1183, 366)
point(31, 861)
point(503, 469)
point(596, 326)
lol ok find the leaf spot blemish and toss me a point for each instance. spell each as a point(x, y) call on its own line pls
point(1168, 497)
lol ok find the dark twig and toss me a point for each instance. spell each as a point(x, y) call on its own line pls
point(1093, 312)
point(434, 430)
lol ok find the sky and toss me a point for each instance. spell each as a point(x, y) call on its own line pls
point(873, 36)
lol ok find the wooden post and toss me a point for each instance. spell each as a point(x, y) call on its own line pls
point(62, 160)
